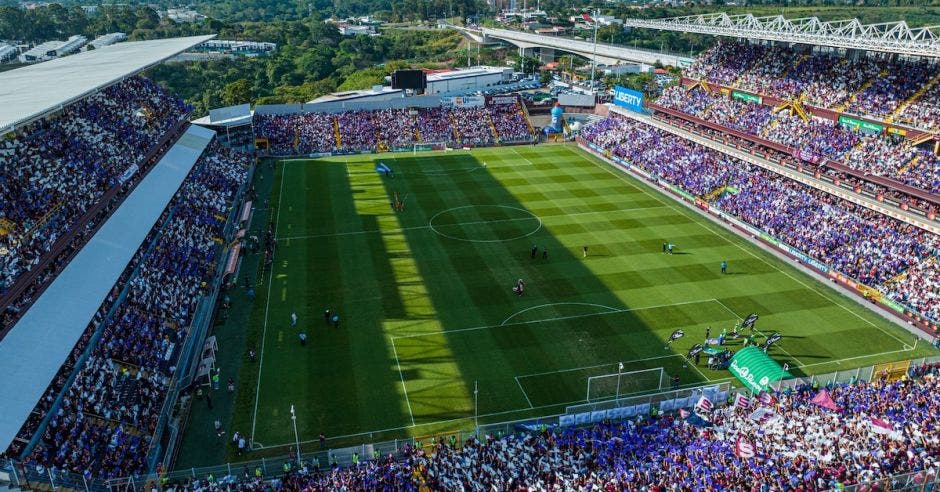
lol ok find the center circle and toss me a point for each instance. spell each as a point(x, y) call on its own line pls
point(485, 223)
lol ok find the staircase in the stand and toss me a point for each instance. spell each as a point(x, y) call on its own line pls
point(525, 116)
point(714, 193)
point(45, 219)
point(416, 123)
point(6, 226)
point(848, 102)
point(910, 165)
point(795, 65)
point(489, 120)
point(917, 95)
point(453, 126)
point(766, 130)
point(339, 140)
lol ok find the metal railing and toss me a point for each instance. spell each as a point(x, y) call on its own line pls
point(19, 474)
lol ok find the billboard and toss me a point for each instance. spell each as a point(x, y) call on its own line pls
point(409, 79)
point(579, 100)
point(501, 100)
point(628, 98)
point(860, 125)
point(463, 101)
point(743, 96)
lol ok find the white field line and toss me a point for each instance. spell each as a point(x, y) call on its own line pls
point(547, 320)
point(403, 387)
point(530, 163)
point(267, 305)
point(708, 227)
point(840, 361)
point(611, 309)
point(670, 356)
point(402, 229)
point(526, 395)
point(506, 412)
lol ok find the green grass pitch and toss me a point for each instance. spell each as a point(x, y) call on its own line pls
point(427, 309)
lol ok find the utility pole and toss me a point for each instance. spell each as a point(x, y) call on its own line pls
point(619, 372)
point(293, 417)
point(476, 407)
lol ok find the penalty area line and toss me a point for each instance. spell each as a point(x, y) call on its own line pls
point(401, 375)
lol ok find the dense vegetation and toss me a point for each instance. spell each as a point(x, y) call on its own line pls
point(55, 21)
point(312, 59)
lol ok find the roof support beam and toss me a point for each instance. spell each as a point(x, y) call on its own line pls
point(887, 37)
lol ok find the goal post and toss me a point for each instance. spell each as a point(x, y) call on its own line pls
point(614, 385)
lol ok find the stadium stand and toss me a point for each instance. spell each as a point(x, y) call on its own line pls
point(55, 170)
point(871, 84)
point(815, 139)
point(96, 332)
point(64, 175)
point(108, 414)
point(869, 432)
point(385, 129)
point(867, 246)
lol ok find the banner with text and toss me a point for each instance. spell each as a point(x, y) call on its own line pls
point(463, 102)
point(860, 125)
point(628, 98)
point(746, 97)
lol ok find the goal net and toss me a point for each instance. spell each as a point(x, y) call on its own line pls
point(609, 386)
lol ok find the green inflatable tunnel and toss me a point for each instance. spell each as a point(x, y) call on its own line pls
point(755, 369)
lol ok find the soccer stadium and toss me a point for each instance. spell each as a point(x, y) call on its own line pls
point(731, 284)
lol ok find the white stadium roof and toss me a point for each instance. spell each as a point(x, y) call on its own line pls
point(32, 92)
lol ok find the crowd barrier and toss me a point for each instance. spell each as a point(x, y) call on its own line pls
point(18, 474)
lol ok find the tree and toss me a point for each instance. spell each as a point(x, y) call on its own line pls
point(238, 92)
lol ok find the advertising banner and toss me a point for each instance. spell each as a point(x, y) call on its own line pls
point(746, 97)
point(500, 100)
point(463, 102)
point(892, 305)
point(860, 125)
point(628, 98)
point(128, 174)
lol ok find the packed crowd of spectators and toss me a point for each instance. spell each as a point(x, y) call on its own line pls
point(878, 155)
point(867, 246)
point(870, 84)
point(510, 123)
point(108, 414)
point(923, 112)
point(392, 128)
point(59, 168)
point(869, 432)
point(918, 287)
point(305, 133)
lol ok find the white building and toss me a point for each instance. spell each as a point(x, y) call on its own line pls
point(237, 47)
point(355, 30)
point(53, 49)
point(376, 93)
point(108, 39)
point(468, 79)
point(183, 15)
point(7, 52)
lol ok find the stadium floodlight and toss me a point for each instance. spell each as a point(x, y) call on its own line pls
point(615, 385)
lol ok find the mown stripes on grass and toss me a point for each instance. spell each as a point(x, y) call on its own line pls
point(413, 287)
